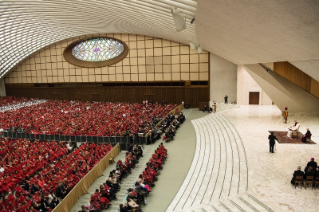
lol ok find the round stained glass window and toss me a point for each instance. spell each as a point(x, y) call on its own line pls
point(96, 52)
point(97, 49)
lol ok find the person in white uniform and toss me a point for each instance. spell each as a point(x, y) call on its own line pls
point(294, 127)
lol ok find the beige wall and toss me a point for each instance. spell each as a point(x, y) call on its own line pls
point(284, 92)
point(223, 79)
point(149, 59)
point(2, 88)
point(246, 84)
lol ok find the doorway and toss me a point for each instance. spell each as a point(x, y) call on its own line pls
point(254, 98)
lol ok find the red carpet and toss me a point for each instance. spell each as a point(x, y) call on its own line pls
point(282, 138)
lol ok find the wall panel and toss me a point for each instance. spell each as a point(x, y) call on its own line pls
point(297, 76)
point(173, 94)
point(158, 58)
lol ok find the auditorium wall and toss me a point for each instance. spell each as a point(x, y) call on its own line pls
point(223, 79)
point(134, 94)
point(246, 84)
point(149, 60)
point(2, 88)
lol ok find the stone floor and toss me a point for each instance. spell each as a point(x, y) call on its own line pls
point(270, 174)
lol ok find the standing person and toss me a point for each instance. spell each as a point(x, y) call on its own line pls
point(285, 114)
point(214, 106)
point(272, 139)
point(226, 99)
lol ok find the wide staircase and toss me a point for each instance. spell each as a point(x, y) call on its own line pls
point(218, 177)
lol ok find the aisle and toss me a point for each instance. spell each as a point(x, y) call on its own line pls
point(180, 156)
point(171, 178)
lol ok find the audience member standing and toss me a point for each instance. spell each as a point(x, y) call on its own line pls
point(226, 99)
point(272, 139)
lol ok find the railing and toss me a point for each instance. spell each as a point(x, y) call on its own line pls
point(82, 187)
point(124, 142)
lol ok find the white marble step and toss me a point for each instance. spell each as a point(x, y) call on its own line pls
point(175, 204)
point(206, 171)
point(242, 205)
point(234, 187)
point(216, 163)
point(251, 203)
point(197, 175)
point(215, 206)
point(262, 204)
point(243, 179)
point(230, 207)
point(219, 171)
point(224, 172)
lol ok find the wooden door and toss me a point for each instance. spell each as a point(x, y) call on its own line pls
point(254, 98)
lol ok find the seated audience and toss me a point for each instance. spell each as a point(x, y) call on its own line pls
point(204, 108)
point(311, 164)
point(84, 118)
point(298, 172)
point(306, 135)
point(123, 208)
point(309, 172)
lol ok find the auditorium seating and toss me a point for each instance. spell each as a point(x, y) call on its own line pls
point(10, 100)
point(22, 159)
point(218, 177)
point(84, 118)
point(123, 168)
point(147, 178)
point(51, 164)
point(72, 167)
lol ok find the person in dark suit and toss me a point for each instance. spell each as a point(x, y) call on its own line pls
point(204, 108)
point(309, 172)
point(298, 172)
point(311, 164)
point(317, 172)
point(272, 139)
point(226, 99)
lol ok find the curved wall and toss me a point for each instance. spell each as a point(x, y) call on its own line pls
point(149, 59)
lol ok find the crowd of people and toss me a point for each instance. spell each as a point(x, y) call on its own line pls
point(171, 124)
point(85, 118)
point(11, 100)
point(136, 196)
point(13, 103)
point(311, 171)
point(37, 175)
point(21, 159)
point(106, 192)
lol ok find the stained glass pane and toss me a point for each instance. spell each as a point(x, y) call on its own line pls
point(97, 49)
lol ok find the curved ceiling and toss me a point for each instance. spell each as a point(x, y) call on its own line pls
point(250, 32)
point(30, 25)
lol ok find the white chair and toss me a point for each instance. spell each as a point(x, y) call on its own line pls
point(295, 131)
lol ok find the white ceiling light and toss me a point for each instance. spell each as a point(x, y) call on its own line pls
point(179, 20)
point(192, 45)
